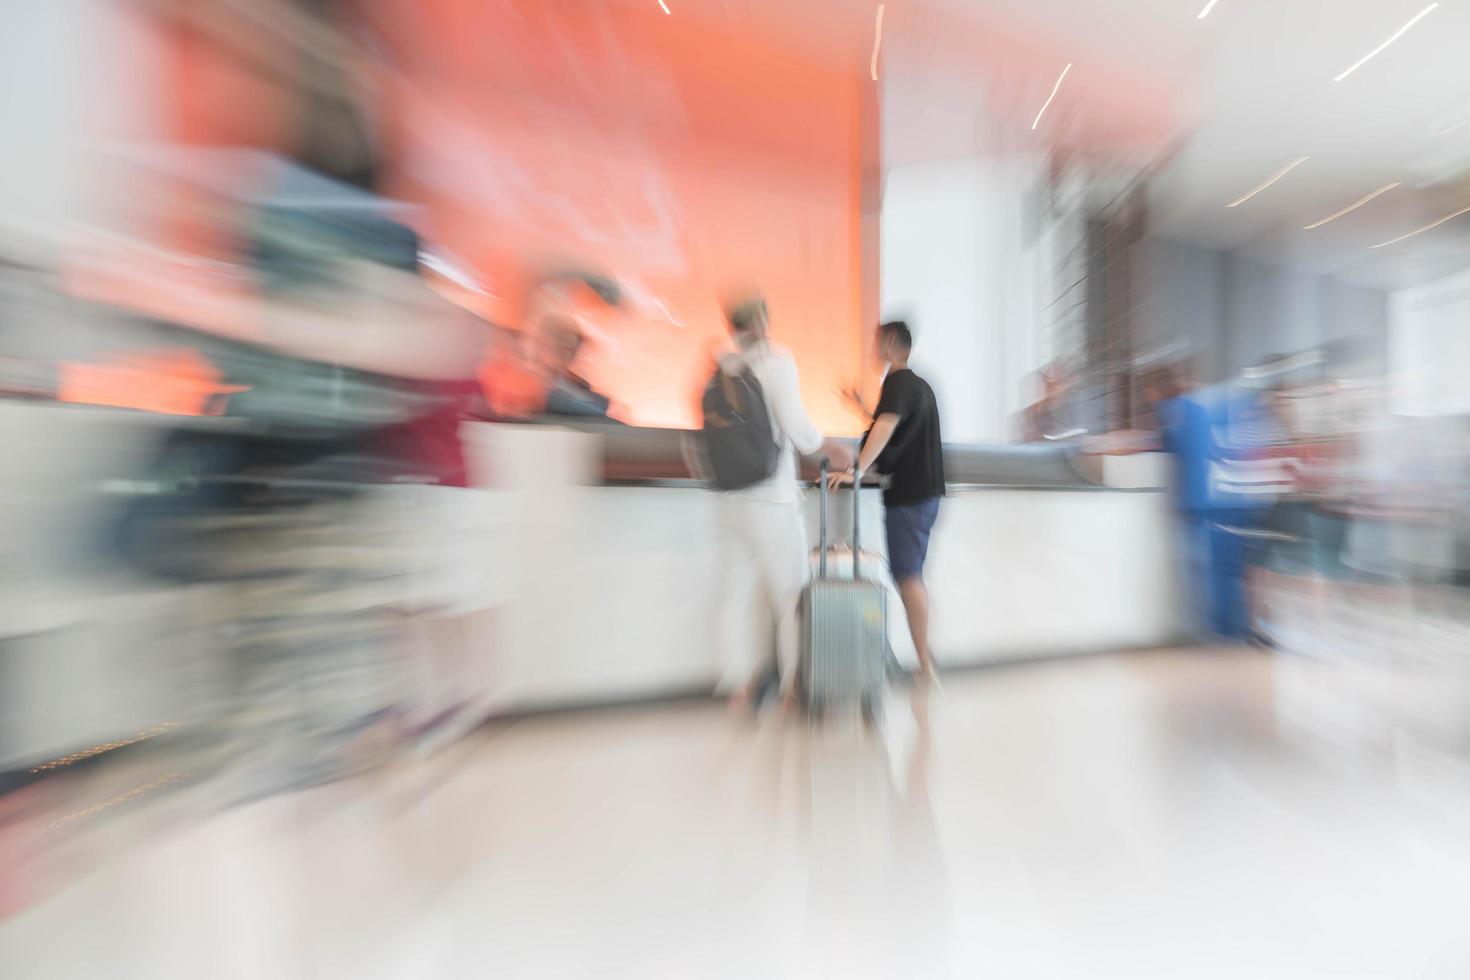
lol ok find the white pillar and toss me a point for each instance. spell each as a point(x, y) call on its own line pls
point(959, 262)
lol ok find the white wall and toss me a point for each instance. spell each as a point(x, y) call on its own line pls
point(1184, 305)
point(625, 592)
point(73, 73)
point(40, 111)
point(930, 275)
point(1268, 311)
point(1429, 347)
point(954, 262)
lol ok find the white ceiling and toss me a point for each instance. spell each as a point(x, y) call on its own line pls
point(1251, 89)
point(1255, 87)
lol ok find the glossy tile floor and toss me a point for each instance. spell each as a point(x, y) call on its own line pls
point(1191, 814)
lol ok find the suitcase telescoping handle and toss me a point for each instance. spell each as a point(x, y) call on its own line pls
point(822, 520)
point(857, 482)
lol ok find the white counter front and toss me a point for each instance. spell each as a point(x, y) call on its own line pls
point(614, 592)
point(585, 593)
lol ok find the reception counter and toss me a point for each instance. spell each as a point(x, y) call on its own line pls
point(592, 569)
point(619, 575)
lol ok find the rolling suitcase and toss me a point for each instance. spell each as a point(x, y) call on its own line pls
point(844, 629)
point(900, 647)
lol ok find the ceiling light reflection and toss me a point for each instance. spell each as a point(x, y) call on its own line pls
point(1274, 178)
point(877, 41)
point(1420, 231)
point(1352, 207)
point(1054, 90)
point(1396, 35)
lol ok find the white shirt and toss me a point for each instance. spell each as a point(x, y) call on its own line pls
point(775, 369)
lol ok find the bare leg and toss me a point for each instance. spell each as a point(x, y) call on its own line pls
point(916, 603)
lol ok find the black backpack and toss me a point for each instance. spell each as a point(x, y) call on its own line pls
point(739, 441)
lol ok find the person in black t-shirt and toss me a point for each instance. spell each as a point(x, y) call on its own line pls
point(904, 443)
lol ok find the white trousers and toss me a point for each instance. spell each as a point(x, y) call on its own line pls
point(765, 551)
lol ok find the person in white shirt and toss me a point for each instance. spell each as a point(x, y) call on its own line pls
point(762, 525)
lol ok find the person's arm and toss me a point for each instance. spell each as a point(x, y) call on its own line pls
point(853, 395)
point(878, 438)
point(896, 402)
point(791, 416)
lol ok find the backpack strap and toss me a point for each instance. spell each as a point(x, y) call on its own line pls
point(732, 393)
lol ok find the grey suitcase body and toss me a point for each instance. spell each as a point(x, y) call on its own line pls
point(844, 631)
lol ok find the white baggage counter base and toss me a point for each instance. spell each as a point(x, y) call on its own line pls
point(593, 594)
point(613, 592)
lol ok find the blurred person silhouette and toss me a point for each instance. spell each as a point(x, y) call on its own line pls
point(1278, 550)
point(1184, 434)
point(353, 379)
point(905, 444)
point(1160, 385)
point(1327, 469)
point(1064, 411)
point(1222, 486)
point(1182, 424)
point(755, 425)
point(533, 374)
point(560, 342)
point(1370, 490)
point(1318, 415)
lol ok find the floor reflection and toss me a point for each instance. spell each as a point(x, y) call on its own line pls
point(1195, 814)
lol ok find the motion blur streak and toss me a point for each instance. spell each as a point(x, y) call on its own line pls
point(1269, 181)
point(1392, 38)
point(1419, 231)
point(428, 546)
point(877, 42)
point(1351, 207)
point(1054, 90)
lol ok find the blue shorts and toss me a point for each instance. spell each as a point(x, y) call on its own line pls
point(908, 528)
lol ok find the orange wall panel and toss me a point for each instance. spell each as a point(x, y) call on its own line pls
point(682, 158)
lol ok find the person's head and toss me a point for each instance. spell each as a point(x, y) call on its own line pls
point(556, 346)
point(749, 321)
point(1161, 384)
point(894, 343)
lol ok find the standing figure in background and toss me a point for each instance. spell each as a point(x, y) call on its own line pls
point(760, 507)
point(1064, 411)
point(568, 394)
point(1223, 487)
point(905, 444)
point(346, 371)
point(534, 373)
point(1184, 434)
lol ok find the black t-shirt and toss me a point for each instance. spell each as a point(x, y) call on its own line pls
point(913, 460)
